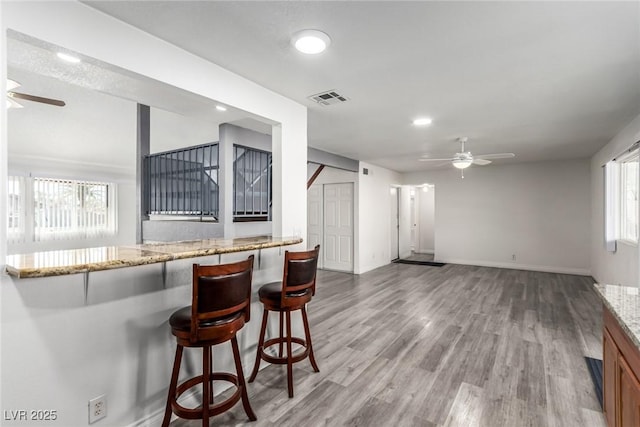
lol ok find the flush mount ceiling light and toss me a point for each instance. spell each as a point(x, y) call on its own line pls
point(310, 41)
point(221, 108)
point(68, 58)
point(422, 121)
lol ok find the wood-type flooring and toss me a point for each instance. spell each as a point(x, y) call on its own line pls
point(407, 345)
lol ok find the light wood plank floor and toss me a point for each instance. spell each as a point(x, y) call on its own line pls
point(409, 345)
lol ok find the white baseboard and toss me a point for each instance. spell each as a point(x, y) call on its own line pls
point(516, 266)
point(425, 251)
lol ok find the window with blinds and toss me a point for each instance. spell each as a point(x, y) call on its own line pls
point(16, 212)
point(628, 196)
point(183, 182)
point(251, 184)
point(52, 209)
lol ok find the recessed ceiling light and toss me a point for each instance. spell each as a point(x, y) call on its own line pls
point(68, 58)
point(310, 41)
point(221, 108)
point(423, 121)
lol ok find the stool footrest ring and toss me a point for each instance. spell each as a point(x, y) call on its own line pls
point(284, 360)
point(215, 409)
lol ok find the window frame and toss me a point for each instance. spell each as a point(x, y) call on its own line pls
point(624, 207)
point(261, 216)
point(159, 198)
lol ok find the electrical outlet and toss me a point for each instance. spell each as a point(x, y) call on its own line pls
point(513, 257)
point(97, 408)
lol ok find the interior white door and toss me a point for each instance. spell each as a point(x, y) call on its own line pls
point(394, 224)
point(314, 219)
point(338, 227)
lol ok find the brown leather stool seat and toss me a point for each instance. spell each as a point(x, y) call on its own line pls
point(220, 307)
point(273, 292)
point(293, 293)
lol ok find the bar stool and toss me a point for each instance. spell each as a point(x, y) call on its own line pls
point(220, 306)
point(293, 293)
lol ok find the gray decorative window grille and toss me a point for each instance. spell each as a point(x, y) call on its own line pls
point(183, 182)
point(251, 184)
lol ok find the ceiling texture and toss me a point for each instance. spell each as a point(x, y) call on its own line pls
point(544, 80)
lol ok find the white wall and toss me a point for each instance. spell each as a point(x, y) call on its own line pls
point(373, 230)
point(622, 266)
point(120, 344)
point(538, 211)
point(425, 201)
point(171, 131)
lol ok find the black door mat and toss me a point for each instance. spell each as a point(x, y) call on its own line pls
point(430, 263)
point(595, 369)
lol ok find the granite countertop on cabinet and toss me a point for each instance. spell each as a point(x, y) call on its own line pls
point(624, 303)
point(55, 263)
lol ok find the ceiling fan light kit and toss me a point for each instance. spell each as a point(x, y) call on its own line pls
point(462, 163)
point(464, 159)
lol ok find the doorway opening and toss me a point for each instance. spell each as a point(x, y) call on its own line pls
point(421, 217)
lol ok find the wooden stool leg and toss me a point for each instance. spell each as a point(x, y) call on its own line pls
point(256, 366)
point(281, 334)
point(211, 392)
point(307, 334)
point(172, 386)
point(289, 354)
point(206, 383)
point(241, 384)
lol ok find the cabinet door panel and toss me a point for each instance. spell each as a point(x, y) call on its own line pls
point(609, 369)
point(629, 395)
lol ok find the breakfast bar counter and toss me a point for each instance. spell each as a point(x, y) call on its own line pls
point(71, 261)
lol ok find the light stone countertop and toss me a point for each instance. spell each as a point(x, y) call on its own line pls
point(624, 303)
point(55, 263)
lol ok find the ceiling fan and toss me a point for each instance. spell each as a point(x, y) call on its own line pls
point(464, 159)
point(11, 96)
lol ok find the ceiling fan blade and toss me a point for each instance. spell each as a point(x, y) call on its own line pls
point(433, 160)
point(33, 98)
point(495, 156)
point(481, 162)
point(12, 84)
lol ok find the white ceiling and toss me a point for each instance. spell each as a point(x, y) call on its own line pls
point(545, 80)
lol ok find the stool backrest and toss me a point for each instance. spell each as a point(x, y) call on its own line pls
point(299, 272)
point(220, 291)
